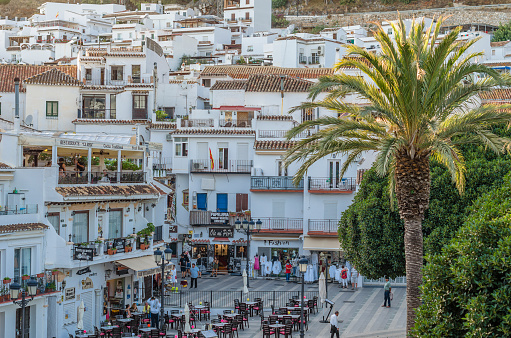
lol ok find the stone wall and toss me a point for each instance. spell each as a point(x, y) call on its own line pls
point(459, 15)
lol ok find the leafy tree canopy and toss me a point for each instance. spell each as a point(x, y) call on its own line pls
point(503, 33)
point(467, 287)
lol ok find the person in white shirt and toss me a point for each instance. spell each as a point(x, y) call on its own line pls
point(334, 325)
point(354, 278)
point(155, 307)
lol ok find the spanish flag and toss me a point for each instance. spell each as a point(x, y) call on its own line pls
point(211, 159)
point(57, 14)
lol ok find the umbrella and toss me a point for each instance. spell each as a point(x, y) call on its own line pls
point(322, 287)
point(81, 310)
point(187, 319)
point(245, 289)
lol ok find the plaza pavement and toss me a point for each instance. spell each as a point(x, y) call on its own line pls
point(360, 311)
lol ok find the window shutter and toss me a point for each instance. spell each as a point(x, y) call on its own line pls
point(239, 203)
point(244, 201)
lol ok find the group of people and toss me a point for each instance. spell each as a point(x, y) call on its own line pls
point(344, 278)
point(151, 309)
point(191, 269)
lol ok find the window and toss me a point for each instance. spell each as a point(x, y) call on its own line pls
point(81, 226)
point(247, 16)
point(19, 317)
point(139, 107)
point(119, 36)
point(206, 83)
point(389, 31)
point(115, 223)
point(250, 48)
point(281, 169)
point(52, 109)
point(22, 262)
point(170, 111)
point(202, 201)
point(308, 114)
point(113, 106)
point(334, 170)
point(223, 155)
point(135, 73)
point(248, 2)
point(335, 36)
point(493, 52)
point(116, 73)
point(168, 24)
point(221, 203)
point(131, 35)
point(94, 106)
point(152, 36)
point(181, 146)
point(241, 202)
point(54, 219)
point(233, 17)
point(88, 74)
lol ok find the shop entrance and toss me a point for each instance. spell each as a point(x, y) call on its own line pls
point(222, 253)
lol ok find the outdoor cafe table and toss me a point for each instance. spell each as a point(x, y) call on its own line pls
point(82, 335)
point(147, 330)
point(231, 315)
point(199, 308)
point(291, 308)
point(277, 328)
point(209, 334)
point(250, 305)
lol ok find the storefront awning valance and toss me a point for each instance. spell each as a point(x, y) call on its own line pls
point(143, 266)
point(221, 239)
point(321, 244)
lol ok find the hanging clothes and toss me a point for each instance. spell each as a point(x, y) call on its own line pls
point(331, 271)
point(256, 263)
point(309, 274)
point(277, 267)
point(267, 268)
point(264, 263)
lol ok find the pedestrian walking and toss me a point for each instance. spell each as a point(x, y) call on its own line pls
point(194, 274)
point(155, 306)
point(344, 277)
point(334, 325)
point(215, 267)
point(288, 270)
point(387, 289)
point(354, 278)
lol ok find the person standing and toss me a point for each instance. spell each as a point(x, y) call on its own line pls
point(334, 325)
point(155, 305)
point(288, 270)
point(215, 267)
point(386, 292)
point(182, 264)
point(354, 278)
point(344, 277)
point(194, 274)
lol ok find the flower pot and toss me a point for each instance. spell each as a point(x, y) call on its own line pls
point(143, 247)
point(111, 251)
point(7, 281)
point(25, 277)
point(127, 249)
point(54, 273)
point(40, 275)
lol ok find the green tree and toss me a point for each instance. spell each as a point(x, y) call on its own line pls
point(278, 3)
point(503, 33)
point(467, 287)
point(418, 104)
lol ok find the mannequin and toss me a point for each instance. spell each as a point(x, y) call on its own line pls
point(256, 265)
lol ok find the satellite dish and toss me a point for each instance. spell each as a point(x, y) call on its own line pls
point(28, 120)
point(184, 84)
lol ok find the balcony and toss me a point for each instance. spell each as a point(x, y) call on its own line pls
point(46, 284)
point(73, 177)
point(282, 133)
point(19, 210)
point(323, 227)
point(120, 82)
point(97, 114)
point(216, 166)
point(204, 217)
point(281, 225)
point(88, 250)
point(275, 184)
point(197, 123)
point(235, 123)
point(331, 185)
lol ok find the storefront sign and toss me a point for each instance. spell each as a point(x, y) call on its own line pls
point(83, 271)
point(173, 229)
point(100, 145)
point(69, 293)
point(276, 243)
point(219, 218)
point(87, 283)
point(83, 254)
point(221, 232)
point(119, 244)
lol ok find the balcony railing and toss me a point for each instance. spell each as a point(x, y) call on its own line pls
point(203, 217)
point(46, 284)
point(74, 177)
point(332, 185)
point(274, 183)
point(98, 114)
point(235, 123)
point(196, 123)
point(324, 225)
point(120, 82)
point(275, 223)
point(216, 166)
point(19, 210)
point(283, 133)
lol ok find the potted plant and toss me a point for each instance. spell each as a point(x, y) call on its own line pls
point(7, 280)
point(50, 286)
point(25, 277)
point(112, 251)
point(55, 272)
point(128, 248)
point(40, 275)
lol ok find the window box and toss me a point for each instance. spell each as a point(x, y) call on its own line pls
point(7, 280)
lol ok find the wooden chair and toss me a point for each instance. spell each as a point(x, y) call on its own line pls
point(227, 330)
point(267, 332)
point(287, 331)
point(244, 313)
point(236, 304)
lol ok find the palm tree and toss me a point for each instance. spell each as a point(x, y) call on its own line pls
point(419, 92)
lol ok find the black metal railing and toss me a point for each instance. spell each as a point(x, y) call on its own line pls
point(274, 183)
point(283, 133)
point(324, 225)
point(19, 210)
point(99, 114)
point(196, 123)
point(332, 184)
point(235, 123)
point(216, 166)
point(120, 81)
point(280, 223)
point(203, 217)
point(75, 177)
point(225, 299)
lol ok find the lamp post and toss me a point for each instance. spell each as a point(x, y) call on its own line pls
point(16, 292)
point(303, 269)
point(162, 259)
point(248, 228)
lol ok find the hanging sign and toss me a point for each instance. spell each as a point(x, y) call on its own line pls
point(221, 232)
point(83, 254)
point(69, 293)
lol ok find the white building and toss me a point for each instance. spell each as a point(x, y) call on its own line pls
point(252, 13)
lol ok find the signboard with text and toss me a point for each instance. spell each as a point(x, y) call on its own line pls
point(219, 218)
point(221, 232)
point(83, 254)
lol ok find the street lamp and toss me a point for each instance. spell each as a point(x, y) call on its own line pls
point(303, 269)
point(248, 228)
point(162, 259)
point(16, 292)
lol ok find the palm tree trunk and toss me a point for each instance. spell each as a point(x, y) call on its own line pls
point(412, 192)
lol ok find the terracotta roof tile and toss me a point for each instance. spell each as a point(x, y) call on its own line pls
point(275, 117)
point(274, 145)
point(162, 126)
point(9, 72)
point(4, 166)
point(22, 227)
point(499, 43)
point(496, 95)
point(243, 72)
point(272, 83)
point(107, 121)
point(214, 132)
point(357, 58)
point(230, 85)
point(53, 77)
point(497, 64)
point(107, 190)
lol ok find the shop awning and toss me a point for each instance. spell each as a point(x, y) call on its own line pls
point(321, 244)
point(143, 266)
point(221, 239)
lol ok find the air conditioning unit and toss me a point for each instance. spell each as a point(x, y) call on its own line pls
point(196, 166)
point(320, 50)
point(168, 137)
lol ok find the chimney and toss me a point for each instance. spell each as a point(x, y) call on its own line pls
point(17, 104)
